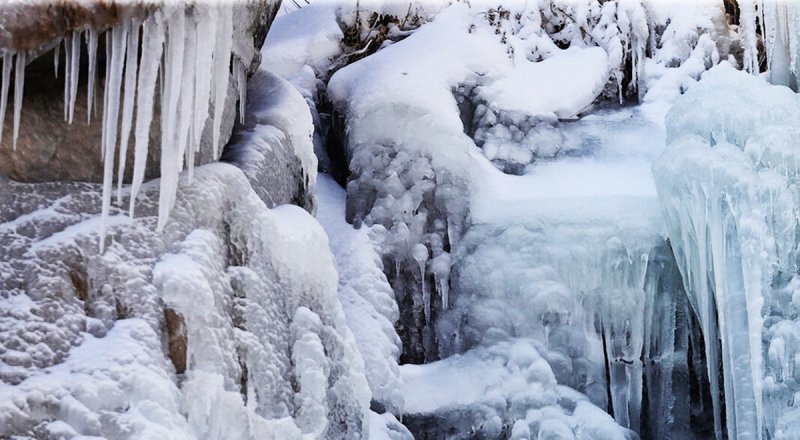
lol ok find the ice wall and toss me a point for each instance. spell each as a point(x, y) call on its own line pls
point(727, 185)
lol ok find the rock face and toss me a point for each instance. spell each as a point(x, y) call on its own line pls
point(49, 148)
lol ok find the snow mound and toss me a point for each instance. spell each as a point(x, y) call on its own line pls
point(508, 387)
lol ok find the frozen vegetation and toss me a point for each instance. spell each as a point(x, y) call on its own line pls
point(558, 219)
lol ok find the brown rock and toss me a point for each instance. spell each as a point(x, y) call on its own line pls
point(176, 339)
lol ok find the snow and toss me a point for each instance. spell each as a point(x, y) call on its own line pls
point(529, 238)
point(365, 294)
point(255, 288)
point(507, 377)
point(564, 84)
point(124, 369)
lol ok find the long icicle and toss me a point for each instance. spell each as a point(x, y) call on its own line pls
point(19, 87)
point(131, 65)
point(91, 49)
point(105, 95)
point(118, 39)
point(149, 66)
point(206, 32)
point(67, 76)
point(56, 56)
point(222, 59)
point(187, 98)
point(241, 85)
point(74, 71)
point(8, 60)
point(170, 150)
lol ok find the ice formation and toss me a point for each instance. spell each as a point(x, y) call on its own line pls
point(585, 270)
point(727, 186)
point(366, 296)
point(488, 387)
point(190, 39)
point(267, 355)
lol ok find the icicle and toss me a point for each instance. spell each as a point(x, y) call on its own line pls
point(747, 14)
point(187, 98)
point(206, 31)
point(74, 72)
point(420, 254)
point(222, 58)
point(131, 65)
point(241, 85)
point(19, 86)
point(170, 151)
point(444, 288)
point(57, 54)
point(105, 95)
point(118, 38)
point(8, 59)
point(149, 66)
point(67, 76)
point(91, 45)
point(161, 87)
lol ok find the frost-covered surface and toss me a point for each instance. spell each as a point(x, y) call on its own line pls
point(300, 47)
point(502, 227)
point(728, 188)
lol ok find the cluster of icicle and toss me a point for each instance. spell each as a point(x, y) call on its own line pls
point(187, 51)
point(779, 23)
